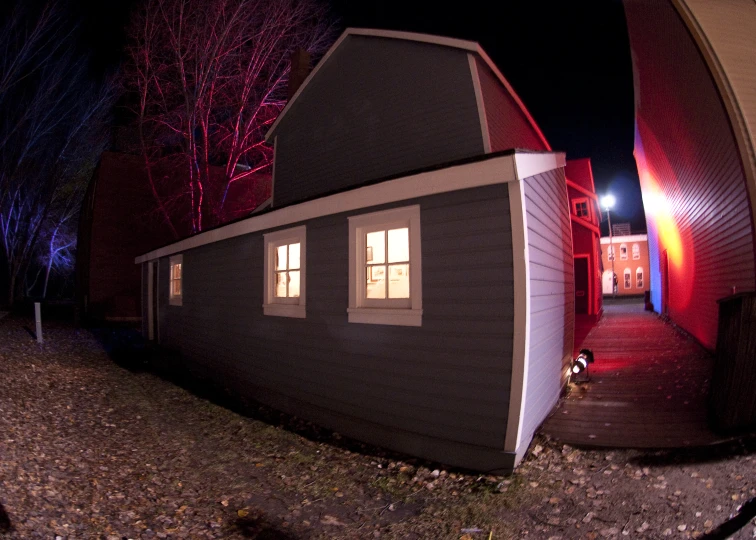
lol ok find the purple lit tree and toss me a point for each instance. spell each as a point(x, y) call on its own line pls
point(53, 127)
point(208, 78)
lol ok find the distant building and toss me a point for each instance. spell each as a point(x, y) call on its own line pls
point(631, 264)
point(694, 64)
point(585, 216)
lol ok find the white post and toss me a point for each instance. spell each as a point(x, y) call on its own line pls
point(38, 318)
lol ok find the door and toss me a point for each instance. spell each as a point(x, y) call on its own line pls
point(152, 300)
point(607, 282)
point(664, 263)
point(582, 289)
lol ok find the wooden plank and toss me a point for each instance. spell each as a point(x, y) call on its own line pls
point(648, 389)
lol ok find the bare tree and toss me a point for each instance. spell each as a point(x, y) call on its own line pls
point(209, 78)
point(52, 130)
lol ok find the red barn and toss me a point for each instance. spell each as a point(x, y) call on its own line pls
point(585, 215)
point(695, 75)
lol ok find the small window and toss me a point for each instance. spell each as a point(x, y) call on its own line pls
point(610, 252)
point(628, 279)
point(639, 278)
point(623, 252)
point(385, 284)
point(175, 286)
point(581, 208)
point(285, 273)
point(636, 252)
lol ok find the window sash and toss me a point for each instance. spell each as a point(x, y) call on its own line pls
point(388, 303)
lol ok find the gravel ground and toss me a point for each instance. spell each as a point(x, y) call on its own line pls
point(91, 449)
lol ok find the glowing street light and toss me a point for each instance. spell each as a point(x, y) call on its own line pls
point(607, 201)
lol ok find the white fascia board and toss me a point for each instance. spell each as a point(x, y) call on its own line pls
point(494, 170)
point(531, 164)
point(628, 238)
point(480, 103)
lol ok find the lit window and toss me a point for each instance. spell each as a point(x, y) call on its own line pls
point(639, 278)
point(385, 284)
point(628, 279)
point(623, 252)
point(581, 208)
point(175, 287)
point(285, 273)
point(610, 252)
point(636, 252)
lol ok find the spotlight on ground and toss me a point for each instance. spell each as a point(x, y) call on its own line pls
point(580, 364)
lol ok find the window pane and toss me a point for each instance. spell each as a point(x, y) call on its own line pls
point(376, 282)
point(177, 271)
point(176, 288)
point(281, 258)
point(294, 284)
point(375, 243)
point(294, 256)
point(398, 245)
point(399, 281)
point(281, 284)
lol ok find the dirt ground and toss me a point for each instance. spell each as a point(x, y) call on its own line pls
point(96, 448)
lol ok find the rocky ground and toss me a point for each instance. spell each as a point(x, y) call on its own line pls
point(92, 447)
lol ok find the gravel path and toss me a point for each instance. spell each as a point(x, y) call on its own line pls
point(89, 449)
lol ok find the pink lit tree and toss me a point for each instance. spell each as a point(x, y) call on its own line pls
point(207, 78)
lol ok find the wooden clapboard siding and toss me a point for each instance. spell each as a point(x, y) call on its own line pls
point(552, 296)
point(508, 127)
point(440, 391)
point(692, 174)
point(377, 108)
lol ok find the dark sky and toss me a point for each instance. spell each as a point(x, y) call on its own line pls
point(568, 61)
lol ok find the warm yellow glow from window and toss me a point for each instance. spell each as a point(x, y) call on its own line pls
point(287, 271)
point(395, 242)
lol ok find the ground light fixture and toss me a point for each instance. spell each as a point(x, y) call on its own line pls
point(580, 364)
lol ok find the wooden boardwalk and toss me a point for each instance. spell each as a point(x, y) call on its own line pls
point(648, 387)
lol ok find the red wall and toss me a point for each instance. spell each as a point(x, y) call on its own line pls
point(694, 188)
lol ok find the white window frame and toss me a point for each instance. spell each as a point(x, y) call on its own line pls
point(285, 307)
point(576, 202)
point(628, 283)
point(640, 271)
point(636, 252)
point(175, 299)
point(398, 312)
point(623, 252)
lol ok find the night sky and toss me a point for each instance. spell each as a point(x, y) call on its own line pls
point(568, 61)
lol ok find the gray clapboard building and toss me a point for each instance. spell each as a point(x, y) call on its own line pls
point(411, 282)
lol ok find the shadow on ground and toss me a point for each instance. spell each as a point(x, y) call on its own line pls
point(743, 445)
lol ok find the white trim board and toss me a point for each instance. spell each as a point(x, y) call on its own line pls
point(521, 330)
point(469, 46)
point(494, 170)
point(480, 104)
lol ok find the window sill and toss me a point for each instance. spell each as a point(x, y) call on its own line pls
point(285, 310)
point(175, 301)
point(395, 317)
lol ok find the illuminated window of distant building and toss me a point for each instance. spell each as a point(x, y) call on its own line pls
point(285, 279)
point(639, 278)
point(636, 252)
point(623, 252)
point(628, 279)
point(581, 208)
point(385, 284)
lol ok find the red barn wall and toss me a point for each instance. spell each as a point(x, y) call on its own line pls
point(692, 177)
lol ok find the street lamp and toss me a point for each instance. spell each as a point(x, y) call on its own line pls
point(607, 201)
